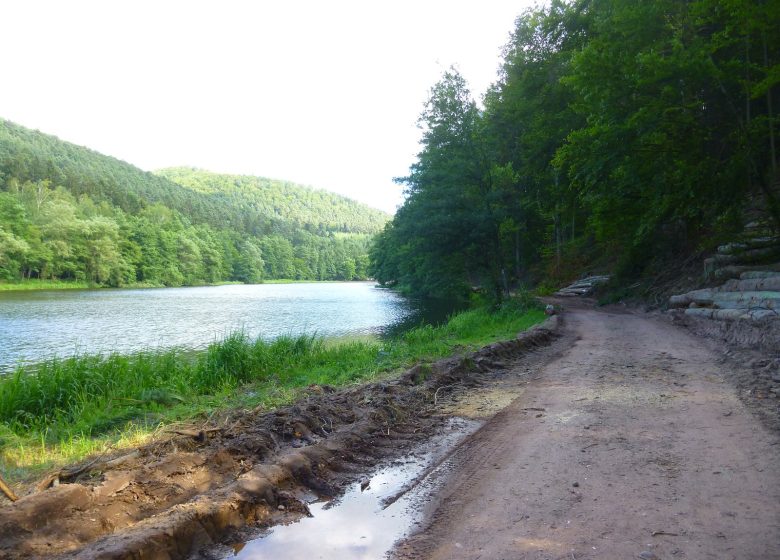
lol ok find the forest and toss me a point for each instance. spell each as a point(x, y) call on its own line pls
point(69, 213)
point(620, 135)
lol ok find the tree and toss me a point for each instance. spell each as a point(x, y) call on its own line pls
point(12, 253)
point(179, 226)
point(448, 221)
point(620, 134)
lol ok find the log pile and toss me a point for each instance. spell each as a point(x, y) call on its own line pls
point(757, 251)
point(750, 267)
point(583, 287)
point(755, 295)
point(743, 306)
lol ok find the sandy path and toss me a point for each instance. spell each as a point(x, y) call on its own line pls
point(638, 434)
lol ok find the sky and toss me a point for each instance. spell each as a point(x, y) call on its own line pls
point(322, 93)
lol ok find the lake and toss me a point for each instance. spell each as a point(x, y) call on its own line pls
point(35, 325)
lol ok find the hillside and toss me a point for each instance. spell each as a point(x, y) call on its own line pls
point(70, 213)
point(619, 137)
point(313, 210)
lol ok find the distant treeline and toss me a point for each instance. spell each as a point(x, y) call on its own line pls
point(621, 134)
point(67, 212)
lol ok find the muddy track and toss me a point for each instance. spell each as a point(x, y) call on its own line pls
point(634, 443)
point(252, 469)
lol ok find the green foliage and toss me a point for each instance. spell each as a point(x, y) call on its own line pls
point(280, 203)
point(71, 214)
point(70, 404)
point(619, 134)
point(445, 236)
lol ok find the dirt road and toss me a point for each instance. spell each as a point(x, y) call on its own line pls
point(632, 444)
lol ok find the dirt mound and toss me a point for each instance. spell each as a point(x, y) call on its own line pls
point(178, 495)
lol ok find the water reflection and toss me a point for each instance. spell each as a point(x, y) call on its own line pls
point(421, 312)
point(41, 324)
point(357, 526)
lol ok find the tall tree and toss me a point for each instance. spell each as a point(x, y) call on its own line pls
point(447, 228)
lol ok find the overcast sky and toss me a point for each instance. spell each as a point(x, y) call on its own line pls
point(324, 93)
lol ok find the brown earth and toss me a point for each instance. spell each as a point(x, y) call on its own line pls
point(617, 436)
point(204, 486)
point(634, 443)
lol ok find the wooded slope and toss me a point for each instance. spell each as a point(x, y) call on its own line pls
point(67, 212)
point(619, 136)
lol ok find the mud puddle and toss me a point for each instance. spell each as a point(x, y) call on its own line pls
point(366, 521)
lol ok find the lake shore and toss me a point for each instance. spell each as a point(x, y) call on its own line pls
point(34, 284)
point(75, 407)
point(36, 325)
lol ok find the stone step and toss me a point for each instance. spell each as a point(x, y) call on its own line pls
point(582, 287)
point(751, 274)
point(747, 256)
point(747, 303)
point(749, 243)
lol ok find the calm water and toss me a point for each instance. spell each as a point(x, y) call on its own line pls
point(365, 523)
point(39, 324)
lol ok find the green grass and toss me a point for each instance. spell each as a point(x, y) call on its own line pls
point(294, 281)
point(35, 284)
point(63, 410)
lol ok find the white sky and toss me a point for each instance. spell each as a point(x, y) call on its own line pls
point(323, 93)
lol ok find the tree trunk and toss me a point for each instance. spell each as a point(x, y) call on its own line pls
point(769, 109)
point(557, 223)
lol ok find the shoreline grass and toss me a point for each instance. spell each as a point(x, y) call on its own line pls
point(63, 410)
point(35, 284)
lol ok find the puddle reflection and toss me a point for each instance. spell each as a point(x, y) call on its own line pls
point(355, 527)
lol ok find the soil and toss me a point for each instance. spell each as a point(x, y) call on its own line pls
point(613, 434)
point(215, 483)
point(634, 443)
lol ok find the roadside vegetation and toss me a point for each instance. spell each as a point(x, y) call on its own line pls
point(63, 410)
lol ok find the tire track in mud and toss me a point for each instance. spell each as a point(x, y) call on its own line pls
point(184, 494)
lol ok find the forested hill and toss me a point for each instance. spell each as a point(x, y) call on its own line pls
point(622, 136)
point(314, 210)
point(68, 212)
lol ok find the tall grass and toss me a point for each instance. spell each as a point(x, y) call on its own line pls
point(35, 284)
point(64, 409)
point(57, 393)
